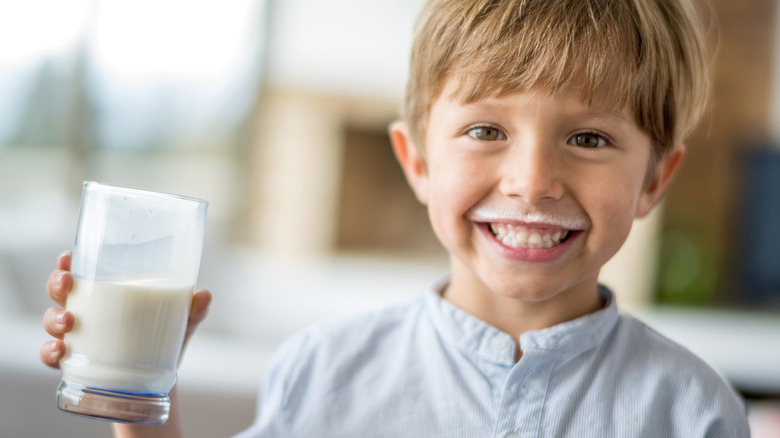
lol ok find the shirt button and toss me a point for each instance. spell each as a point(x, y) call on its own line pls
point(498, 343)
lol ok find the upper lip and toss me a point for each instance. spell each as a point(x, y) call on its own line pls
point(529, 218)
point(529, 227)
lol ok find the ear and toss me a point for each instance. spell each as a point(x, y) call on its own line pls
point(661, 177)
point(411, 162)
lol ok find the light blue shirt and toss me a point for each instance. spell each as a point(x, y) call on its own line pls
point(428, 369)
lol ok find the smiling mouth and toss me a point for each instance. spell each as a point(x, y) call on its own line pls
point(518, 236)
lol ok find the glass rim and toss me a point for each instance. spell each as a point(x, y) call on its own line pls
point(140, 192)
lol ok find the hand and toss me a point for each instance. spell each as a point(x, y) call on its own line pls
point(57, 321)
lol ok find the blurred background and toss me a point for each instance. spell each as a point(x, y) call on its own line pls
point(276, 112)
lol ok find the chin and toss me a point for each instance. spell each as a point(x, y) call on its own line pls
point(525, 291)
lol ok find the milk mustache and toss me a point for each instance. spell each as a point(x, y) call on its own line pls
point(127, 335)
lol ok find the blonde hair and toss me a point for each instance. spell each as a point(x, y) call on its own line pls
point(647, 55)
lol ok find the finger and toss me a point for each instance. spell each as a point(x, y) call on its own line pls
point(52, 352)
point(59, 285)
point(57, 322)
point(63, 262)
point(201, 301)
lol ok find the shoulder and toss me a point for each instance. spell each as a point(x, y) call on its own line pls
point(352, 338)
point(674, 380)
point(367, 326)
point(638, 340)
point(659, 357)
point(337, 361)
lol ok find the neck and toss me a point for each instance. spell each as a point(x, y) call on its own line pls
point(514, 315)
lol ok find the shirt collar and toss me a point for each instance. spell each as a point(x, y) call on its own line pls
point(477, 338)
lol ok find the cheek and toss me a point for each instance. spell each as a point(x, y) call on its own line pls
point(457, 185)
point(620, 217)
point(612, 214)
point(454, 190)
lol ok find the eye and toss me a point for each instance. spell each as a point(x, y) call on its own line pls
point(486, 133)
point(588, 140)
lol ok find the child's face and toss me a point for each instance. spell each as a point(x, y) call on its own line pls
point(532, 194)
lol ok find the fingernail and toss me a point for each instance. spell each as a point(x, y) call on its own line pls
point(60, 318)
point(58, 279)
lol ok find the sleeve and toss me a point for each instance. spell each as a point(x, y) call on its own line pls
point(708, 405)
point(732, 420)
point(271, 417)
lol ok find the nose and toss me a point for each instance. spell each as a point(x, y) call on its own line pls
point(532, 172)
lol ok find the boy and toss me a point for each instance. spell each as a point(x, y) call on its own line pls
point(534, 131)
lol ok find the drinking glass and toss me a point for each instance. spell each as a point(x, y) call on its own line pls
point(135, 263)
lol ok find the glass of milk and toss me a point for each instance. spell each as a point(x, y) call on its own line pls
point(135, 263)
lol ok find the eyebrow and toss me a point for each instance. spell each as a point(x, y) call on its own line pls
point(600, 111)
point(607, 115)
point(482, 105)
point(586, 113)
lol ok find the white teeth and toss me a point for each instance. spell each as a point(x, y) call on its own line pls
point(519, 237)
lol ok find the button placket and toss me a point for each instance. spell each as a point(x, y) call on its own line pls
point(523, 401)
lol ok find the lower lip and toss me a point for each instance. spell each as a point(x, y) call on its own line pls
point(527, 254)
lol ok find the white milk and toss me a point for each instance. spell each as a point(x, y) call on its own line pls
point(127, 336)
